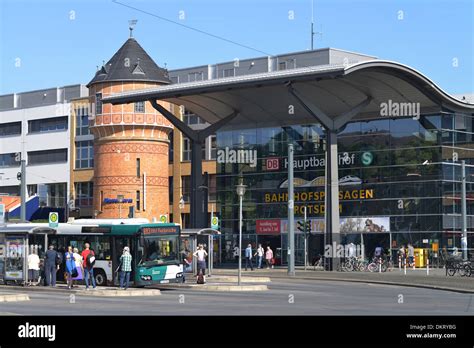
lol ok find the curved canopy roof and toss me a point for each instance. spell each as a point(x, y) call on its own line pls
point(265, 99)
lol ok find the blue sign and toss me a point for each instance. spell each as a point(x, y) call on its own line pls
point(115, 200)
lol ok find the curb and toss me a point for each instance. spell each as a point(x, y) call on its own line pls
point(413, 285)
point(220, 287)
point(14, 297)
point(230, 279)
point(119, 293)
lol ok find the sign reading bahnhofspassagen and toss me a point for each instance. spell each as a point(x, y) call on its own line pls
point(314, 200)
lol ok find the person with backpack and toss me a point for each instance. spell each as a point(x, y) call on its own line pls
point(259, 255)
point(126, 268)
point(70, 268)
point(51, 265)
point(89, 260)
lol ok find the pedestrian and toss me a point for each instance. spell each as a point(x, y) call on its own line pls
point(259, 255)
point(269, 257)
point(79, 267)
point(402, 255)
point(33, 267)
point(248, 256)
point(70, 267)
point(88, 262)
point(126, 262)
point(201, 255)
point(51, 265)
point(411, 255)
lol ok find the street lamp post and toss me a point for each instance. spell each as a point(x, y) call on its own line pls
point(240, 188)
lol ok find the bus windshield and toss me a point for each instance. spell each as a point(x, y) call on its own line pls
point(159, 250)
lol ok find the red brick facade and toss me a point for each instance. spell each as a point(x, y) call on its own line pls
point(127, 145)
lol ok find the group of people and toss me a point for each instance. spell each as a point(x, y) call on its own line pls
point(76, 266)
point(406, 254)
point(260, 253)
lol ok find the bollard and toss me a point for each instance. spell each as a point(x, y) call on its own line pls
point(414, 261)
point(400, 263)
point(427, 267)
point(405, 268)
point(380, 265)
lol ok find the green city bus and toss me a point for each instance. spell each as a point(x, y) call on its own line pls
point(155, 251)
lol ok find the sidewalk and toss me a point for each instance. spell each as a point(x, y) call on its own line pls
point(436, 279)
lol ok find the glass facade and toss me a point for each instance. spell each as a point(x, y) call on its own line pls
point(399, 182)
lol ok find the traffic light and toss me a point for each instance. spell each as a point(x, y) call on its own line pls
point(300, 226)
point(307, 227)
point(18, 176)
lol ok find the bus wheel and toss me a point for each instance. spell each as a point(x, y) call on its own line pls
point(100, 278)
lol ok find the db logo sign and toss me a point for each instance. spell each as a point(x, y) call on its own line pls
point(273, 163)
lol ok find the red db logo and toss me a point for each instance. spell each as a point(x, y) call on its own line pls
point(273, 164)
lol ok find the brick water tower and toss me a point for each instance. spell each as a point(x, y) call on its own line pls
point(131, 140)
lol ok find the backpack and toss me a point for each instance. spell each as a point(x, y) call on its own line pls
point(200, 278)
point(90, 260)
point(59, 259)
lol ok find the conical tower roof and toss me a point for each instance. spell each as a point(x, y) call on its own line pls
point(131, 63)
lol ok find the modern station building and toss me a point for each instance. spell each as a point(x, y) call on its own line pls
point(35, 126)
point(178, 142)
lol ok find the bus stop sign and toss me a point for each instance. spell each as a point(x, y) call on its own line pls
point(53, 219)
point(214, 222)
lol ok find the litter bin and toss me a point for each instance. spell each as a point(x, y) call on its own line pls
point(420, 257)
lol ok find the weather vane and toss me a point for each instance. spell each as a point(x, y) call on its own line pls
point(131, 25)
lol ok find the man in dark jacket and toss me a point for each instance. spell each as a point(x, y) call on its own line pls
point(50, 266)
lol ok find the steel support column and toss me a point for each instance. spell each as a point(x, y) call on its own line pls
point(332, 193)
point(332, 126)
point(198, 213)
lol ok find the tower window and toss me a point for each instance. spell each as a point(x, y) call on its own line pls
point(140, 106)
point(98, 103)
point(138, 167)
point(138, 200)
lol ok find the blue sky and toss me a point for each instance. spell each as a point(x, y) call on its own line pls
point(43, 44)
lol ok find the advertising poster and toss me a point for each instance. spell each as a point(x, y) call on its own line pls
point(14, 259)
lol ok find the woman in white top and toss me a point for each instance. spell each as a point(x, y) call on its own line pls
point(201, 255)
point(33, 267)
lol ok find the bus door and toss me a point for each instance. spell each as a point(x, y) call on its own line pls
point(117, 250)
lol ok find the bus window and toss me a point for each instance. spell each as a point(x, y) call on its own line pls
point(101, 247)
point(77, 242)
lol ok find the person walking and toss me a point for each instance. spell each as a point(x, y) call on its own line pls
point(259, 255)
point(126, 269)
point(88, 262)
point(402, 256)
point(248, 256)
point(33, 267)
point(70, 266)
point(79, 267)
point(51, 266)
point(269, 257)
point(201, 255)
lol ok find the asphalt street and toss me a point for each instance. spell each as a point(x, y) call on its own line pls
point(284, 297)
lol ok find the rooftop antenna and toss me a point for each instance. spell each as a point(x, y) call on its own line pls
point(312, 26)
point(131, 25)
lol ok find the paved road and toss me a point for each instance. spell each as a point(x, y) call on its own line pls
point(309, 298)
